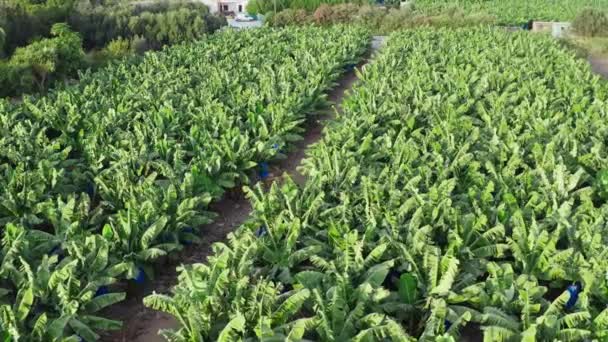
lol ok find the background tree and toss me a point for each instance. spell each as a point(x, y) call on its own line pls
point(2, 39)
point(60, 55)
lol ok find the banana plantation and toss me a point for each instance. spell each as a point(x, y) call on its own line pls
point(462, 188)
point(460, 193)
point(100, 179)
point(514, 12)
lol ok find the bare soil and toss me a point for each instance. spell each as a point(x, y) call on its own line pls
point(471, 333)
point(599, 64)
point(141, 324)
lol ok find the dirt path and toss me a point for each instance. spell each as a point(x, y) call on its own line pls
point(141, 324)
point(599, 65)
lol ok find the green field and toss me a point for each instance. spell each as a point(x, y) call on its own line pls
point(516, 12)
point(463, 185)
point(459, 193)
point(100, 179)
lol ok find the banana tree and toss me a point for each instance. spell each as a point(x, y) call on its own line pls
point(134, 236)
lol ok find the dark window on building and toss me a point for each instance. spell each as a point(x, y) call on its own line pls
point(225, 7)
point(240, 8)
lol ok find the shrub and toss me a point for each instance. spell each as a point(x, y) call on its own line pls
point(161, 23)
point(116, 49)
point(380, 19)
point(69, 49)
point(370, 16)
point(269, 18)
point(139, 44)
point(591, 22)
point(265, 6)
point(215, 22)
point(25, 20)
point(41, 56)
point(15, 79)
point(290, 17)
point(323, 14)
point(100, 22)
point(119, 47)
point(344, 13)
point(454, 17)
point(384, 21)
point(396, 19)
point(392, 3)
point(255, 7)
point(474, 19)
point(301, 17)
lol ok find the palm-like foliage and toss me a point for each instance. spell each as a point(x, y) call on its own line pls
point(458, 188)
point(68, 286)
point(101, 178)
point(515, 12)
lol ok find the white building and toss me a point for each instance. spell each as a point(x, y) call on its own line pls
point(226, 6)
